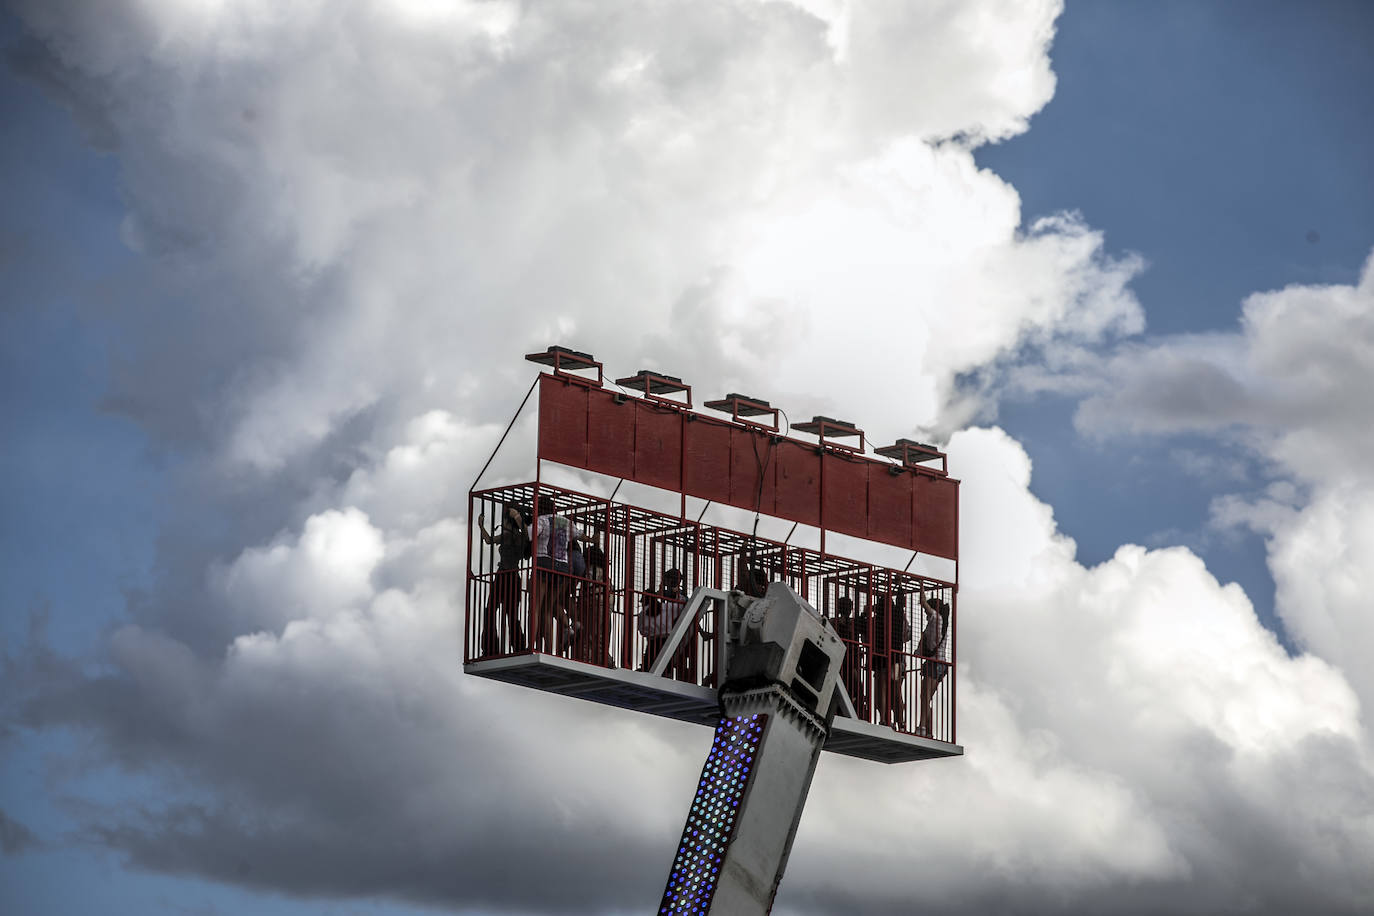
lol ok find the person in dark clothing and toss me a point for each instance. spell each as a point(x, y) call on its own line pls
point(890, 635)
point(570, 597)
point(513, 546)
point(851, 669)
point(590, 644)
point(750, 579)
point(843, 621)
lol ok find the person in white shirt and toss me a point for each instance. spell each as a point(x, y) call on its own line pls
point(658, 612)
point(552, 533)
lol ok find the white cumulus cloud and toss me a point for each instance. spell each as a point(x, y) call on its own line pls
point(354, 218)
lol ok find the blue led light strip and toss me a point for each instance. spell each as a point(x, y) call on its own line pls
point(711, 822)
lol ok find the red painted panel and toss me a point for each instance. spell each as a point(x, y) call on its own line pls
point(658, 446)
point(749, 452)
point(846, 495)
point(562, 421)
point(936, 515)
point(610, 434)
point(586, 428)
point(889, 506)
point(706, 450)
point(797, 480)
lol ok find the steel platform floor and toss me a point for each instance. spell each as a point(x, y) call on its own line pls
point(661, 696)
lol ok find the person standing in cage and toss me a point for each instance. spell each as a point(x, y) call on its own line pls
point(870, 624)
point(933, 670)
point(750, 579)
point(851, 669)
point(887, 617)
point(592, 612)
point(658, 612)
point(552, 535)
point(900, 636)
point(568, 596)
point(513, 546)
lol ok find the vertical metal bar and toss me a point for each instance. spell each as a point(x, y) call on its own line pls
point(885, 591)
point(626, 660)
point(921, 665)
point(604, 633)
point(821, 512)
point(953, 655)
point(535, 624)
point(870, 701)
point(953, 627)
point(467, 597)
point(698, 656)
point(682, 460)
point(719, 623)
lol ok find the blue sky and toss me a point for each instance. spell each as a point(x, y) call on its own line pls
point(1213, 139)
point(61, 233)
point(173, 430)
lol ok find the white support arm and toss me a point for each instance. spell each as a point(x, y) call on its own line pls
point(685, 621)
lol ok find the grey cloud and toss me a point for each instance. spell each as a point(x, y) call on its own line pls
point(477, 865)
point(1291, 383)
point(15, 838)
point(34, 60)
point(356, 789)
point(1173, 394)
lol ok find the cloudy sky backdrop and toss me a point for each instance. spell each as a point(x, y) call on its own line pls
point(268, 272)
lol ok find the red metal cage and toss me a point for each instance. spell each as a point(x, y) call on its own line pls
point(595, 616)
point(556, 629)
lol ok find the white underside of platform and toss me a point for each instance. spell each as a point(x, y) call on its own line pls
point(662, 696)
